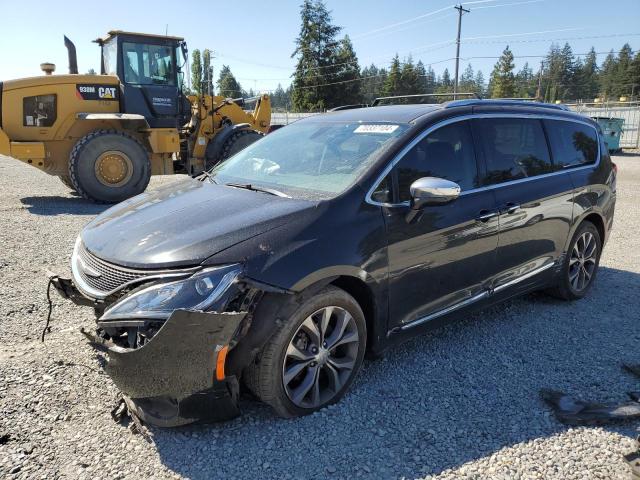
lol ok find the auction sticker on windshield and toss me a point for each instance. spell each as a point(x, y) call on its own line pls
point(376, 129)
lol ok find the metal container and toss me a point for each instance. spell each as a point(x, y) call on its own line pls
point(612, 129)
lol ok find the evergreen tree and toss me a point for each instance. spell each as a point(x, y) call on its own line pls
point(607, 75)
point(635, 76)
point(467, 80)
point(228, 86)
point(525, 82)
point(479, 84)
point(623, 73)
point(207, 73)
point(502, 77)
point(392, 83)
point(567, 73)
point(373, 80)
point(588, 77)
point(430, 81)
point(421, 73)
point(196, 72)
point(316, 52)
point(347, 71)
point(409, 79)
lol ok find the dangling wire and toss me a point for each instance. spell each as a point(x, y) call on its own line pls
point(46, 327)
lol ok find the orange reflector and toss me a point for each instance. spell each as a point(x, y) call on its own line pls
point(222, 356)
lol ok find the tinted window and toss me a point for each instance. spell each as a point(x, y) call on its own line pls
point(445, 153)
point(514, 148)
point(147, 64)
point(39, 111)
point(572, 143)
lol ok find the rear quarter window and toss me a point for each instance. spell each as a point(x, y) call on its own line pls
point(572, 143)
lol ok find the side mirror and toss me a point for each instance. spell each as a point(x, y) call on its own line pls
point(432, 191)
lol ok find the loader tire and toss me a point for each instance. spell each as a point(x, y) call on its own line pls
point(109, 166)
point(66, 181)
point(238, 141)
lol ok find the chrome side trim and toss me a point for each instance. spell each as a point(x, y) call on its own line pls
point(440, 313)
point(538, 116)
point(522, 278)
point(469, 301)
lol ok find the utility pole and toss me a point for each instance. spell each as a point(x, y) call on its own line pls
point(539, 91)
point(455, 81)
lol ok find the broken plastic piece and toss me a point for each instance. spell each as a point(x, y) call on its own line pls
point(578, 412)
point(633, 459)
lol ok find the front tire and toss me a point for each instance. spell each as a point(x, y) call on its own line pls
point(313, 357)
point(581, 263)
point(108, 166)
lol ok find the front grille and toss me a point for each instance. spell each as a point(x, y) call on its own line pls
point(97, 278)
point(111, 277)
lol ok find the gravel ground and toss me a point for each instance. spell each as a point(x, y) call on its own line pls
point(461, 402)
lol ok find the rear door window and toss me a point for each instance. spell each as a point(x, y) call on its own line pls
point(572, 143)
point(514, 148)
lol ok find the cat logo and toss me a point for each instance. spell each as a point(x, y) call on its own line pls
point(107, 92)
point(97, 92)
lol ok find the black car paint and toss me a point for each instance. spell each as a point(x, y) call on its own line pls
point(401, 267)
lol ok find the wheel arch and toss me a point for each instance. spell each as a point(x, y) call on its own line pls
point(363, 288)
point(594, 217)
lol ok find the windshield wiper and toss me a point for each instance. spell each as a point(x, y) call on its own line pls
point(205, 175)
point(256, 188)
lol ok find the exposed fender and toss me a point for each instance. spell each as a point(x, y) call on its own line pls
point(326, 275)
point(215, 146)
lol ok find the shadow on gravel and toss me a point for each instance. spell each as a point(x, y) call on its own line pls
point(458, 394)
point(51, 205)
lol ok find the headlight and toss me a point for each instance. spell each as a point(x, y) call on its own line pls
point(158, 301)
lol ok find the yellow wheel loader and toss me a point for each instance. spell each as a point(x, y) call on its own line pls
point(105, 135)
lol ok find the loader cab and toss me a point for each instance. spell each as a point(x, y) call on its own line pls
point(148, 67)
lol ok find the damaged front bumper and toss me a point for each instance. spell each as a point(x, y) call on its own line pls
point(177, 377)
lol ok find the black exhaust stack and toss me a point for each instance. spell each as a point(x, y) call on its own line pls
point(73, 59)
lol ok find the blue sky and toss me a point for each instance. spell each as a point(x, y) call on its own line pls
point(258, 39)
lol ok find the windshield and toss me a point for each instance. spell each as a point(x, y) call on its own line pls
point(309, 159)
point(109, 53)
point(147, 64)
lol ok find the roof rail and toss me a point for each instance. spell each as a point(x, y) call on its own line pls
point(505, 102)
point(378, 100)
point(348, 107)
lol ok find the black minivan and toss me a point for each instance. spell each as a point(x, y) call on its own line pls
point(340, 234)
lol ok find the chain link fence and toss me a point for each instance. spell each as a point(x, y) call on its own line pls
point(629, 111)
point(285, 118)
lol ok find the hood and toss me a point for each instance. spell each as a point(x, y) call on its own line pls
point(184, 223)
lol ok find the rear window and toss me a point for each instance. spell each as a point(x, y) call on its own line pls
point(572, 143)
point(514, 148)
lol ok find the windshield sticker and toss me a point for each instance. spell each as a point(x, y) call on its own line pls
point(376, 129)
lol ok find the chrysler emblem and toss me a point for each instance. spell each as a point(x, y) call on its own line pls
point(87, 270)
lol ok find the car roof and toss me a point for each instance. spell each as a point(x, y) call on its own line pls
point(386, 113)
point(413, 112)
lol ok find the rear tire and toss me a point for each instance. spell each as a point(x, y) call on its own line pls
point(66, 181)
point(108, 166)
point(332, 365)
point(580, 265)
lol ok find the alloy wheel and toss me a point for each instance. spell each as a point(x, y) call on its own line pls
point(320, 357)
point(582, 264)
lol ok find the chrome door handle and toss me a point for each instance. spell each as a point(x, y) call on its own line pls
point(486, 215)
point(510, 208)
